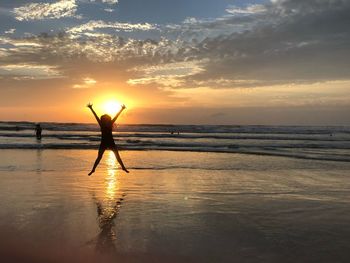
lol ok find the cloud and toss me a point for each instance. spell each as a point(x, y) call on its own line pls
point(98, 56)
point(118, 26)
point(95, 47)
point(29, 71)
point(86, 83)
point(289, 42)
point(10, 31)
point(250, 9)
point(39, 11)
point(168, 75)
point(110, 2)
point(280, 42)
point(109, 10)
point(199, 29)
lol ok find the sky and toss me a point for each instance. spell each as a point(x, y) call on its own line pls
point(267, 62)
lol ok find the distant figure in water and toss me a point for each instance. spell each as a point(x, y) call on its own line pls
point(38, 131)
point(107, 141)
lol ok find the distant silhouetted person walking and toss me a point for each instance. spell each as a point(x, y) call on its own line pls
point(38, 131)
point(107, 141)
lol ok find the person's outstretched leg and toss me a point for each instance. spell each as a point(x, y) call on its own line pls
point(116, 153)
point(101, 150)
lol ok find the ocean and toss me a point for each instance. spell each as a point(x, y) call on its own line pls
point(307, 142)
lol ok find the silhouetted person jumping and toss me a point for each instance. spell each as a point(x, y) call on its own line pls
point(107, 141)
point(38, 131)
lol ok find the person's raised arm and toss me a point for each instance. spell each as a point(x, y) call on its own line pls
point(117, 115)
point(97, 118)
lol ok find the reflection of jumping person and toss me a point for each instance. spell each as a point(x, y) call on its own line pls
point(38, 131)
point(107, 141)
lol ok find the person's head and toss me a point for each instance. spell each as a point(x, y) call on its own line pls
point(106, 119)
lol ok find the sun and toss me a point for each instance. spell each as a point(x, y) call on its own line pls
point(111, 107)
point(110, 104)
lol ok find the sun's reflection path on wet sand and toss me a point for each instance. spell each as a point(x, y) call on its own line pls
point(108, 207)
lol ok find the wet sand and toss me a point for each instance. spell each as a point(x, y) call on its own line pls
point(172, 207)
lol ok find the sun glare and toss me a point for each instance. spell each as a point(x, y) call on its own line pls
point(111, 107)
point(110, 104)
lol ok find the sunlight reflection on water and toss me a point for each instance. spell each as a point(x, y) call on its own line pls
point(112, 185)
point(108, 207)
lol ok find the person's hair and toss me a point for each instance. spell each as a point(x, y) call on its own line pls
point(106, 120)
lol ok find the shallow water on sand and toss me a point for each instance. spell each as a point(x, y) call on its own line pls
point(183, 206)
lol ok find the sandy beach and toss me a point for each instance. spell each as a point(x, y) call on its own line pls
point(172, 207)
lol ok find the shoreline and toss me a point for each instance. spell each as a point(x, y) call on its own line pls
point(282, 155)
